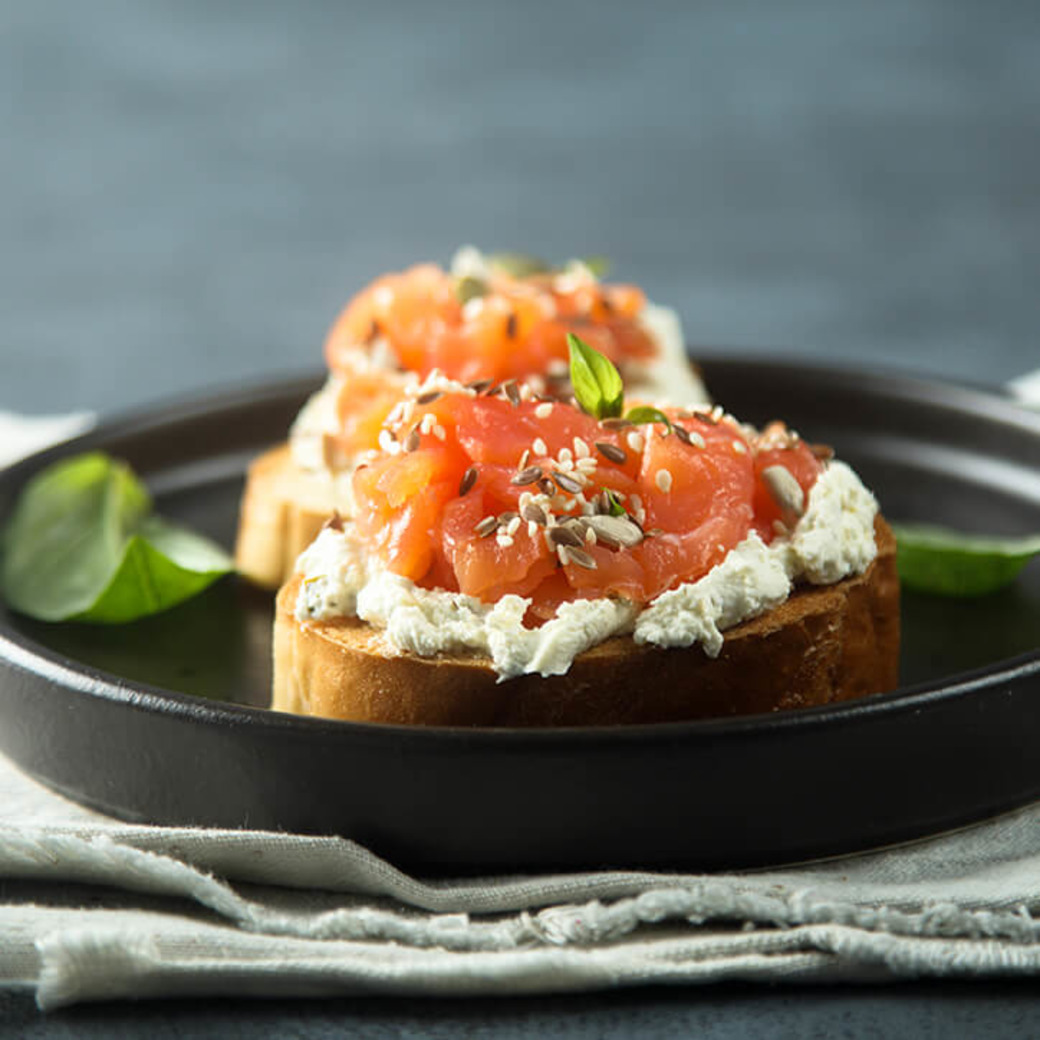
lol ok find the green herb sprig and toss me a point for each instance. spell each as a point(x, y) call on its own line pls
point(599, 390)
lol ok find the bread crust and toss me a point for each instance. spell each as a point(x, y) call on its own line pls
point(824, 644)
point(283, 509)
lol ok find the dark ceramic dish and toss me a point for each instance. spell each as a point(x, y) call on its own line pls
point(164, 720)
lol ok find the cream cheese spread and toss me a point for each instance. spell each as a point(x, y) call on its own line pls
point(833, 540)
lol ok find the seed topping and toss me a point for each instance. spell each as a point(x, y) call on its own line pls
point(486, 527)
point(786, 492)
point(663, 480)
point(530, 475)
point(469, 478)
point(565, 482)
point(571, 554)
point(429, 397)
point(561, 535)
point(534, 514)
point(612, 452)
point(615, 532)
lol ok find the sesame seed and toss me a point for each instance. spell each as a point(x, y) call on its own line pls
point(538, 446)
point(740, 447)
point(566, 455)
point(586, 466)
point(635, 441)
point(388, 442)
point(590, 536)
point(429, 420)
point(523, 459)
point(439, 432)
point(383, 296)
point(694, 438)
point(581, 449)
point(543, 411)
point(663, 480)
point(532, 529)
point(504, 540)
point(513, 526)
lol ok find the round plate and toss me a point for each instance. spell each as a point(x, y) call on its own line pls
point(164, 720)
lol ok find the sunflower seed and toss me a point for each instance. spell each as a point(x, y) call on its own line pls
point(612, 452)
point(507, 517)
point(534, 514)
point(530, 475)
point(469, 478)
point(785, 490)
point(429, 397)
point(564, 536)
point(511, 325)
point(412, 440)
point(615, 532)
point(547, 487)
point(565, 482)
point(478, 386)
point(614, 424)
point(578, 556)
point(487, 526)
point(823, 452)
point(512, 391)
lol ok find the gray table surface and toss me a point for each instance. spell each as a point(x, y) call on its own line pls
point(190, 190)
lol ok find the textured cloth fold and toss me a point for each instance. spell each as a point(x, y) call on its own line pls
point(92, 908)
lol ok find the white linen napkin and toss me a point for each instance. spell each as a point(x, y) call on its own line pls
point(94, 909)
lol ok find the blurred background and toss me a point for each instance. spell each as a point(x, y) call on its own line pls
point(190, 190)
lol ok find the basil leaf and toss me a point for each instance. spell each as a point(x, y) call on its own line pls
point(519, 265)
point(596, 382)
point(643, 413)
point(470, 288)
point(598, 266)
point(946, 562)
point(80, 545)
point(614, 506)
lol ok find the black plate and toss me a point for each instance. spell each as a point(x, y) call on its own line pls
point(163, 720)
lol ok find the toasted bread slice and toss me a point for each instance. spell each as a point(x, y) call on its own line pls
point(283, 509)
point(824, 644)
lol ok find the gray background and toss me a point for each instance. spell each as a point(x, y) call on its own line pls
point(189, 191)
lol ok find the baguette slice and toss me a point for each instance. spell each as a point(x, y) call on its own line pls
point(283, 509)
point(825, 644)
